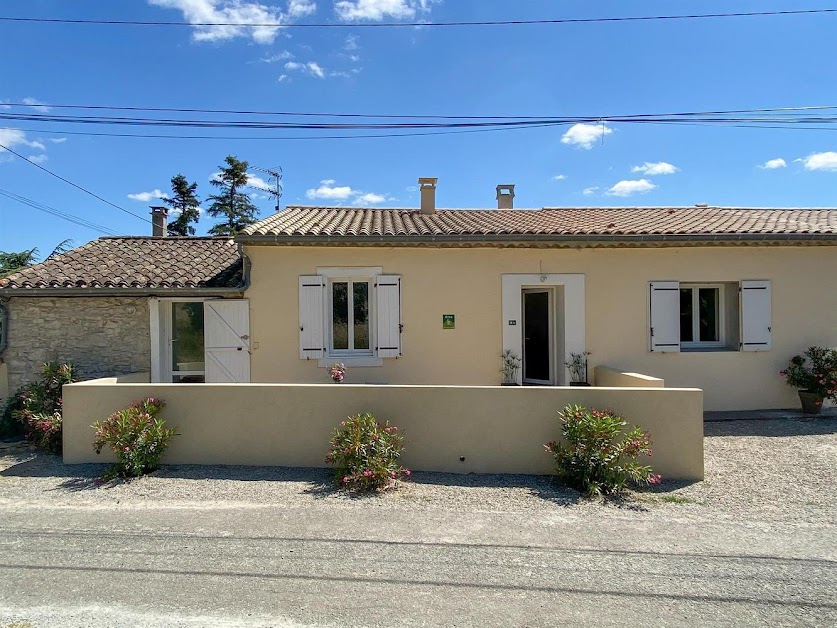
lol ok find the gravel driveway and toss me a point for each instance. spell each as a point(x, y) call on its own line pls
point(754, 544)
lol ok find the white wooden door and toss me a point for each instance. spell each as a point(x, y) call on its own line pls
point(227, 341)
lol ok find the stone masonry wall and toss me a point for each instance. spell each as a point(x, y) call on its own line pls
point(101, 335)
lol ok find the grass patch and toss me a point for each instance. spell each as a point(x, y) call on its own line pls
point(677, 499)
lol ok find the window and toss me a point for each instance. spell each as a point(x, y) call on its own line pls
point(701, 315)
point(187, 345)
point(721, 316)
point(351, 315)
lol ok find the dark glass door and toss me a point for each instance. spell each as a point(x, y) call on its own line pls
point(537, 339)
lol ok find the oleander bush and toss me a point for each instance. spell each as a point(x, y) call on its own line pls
point(136, 436)
point(365, 454)
point(597, 456)
point(35, 409)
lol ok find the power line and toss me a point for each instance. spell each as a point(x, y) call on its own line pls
point(75, 185)
point(589, 20)
point(398, 116)
point(78, 220)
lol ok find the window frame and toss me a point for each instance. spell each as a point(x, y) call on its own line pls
point(351, 351)
point(692, 345)
point(350, 357)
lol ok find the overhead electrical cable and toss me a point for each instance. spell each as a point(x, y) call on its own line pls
point(75, 185)
point(46, 106)
point(588, 20)
point(78, 220)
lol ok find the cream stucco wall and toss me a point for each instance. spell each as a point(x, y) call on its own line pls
point(467, 283)
point(446, 428)
point(608, 377)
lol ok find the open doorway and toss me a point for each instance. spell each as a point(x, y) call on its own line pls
point(539, 336)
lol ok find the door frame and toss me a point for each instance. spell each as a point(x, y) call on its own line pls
point(570, 314)
point(160, 335)
point(551, 331)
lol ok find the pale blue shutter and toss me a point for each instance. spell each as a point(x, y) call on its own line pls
point(388, 308)
point(311, 317)
point(756, 317)
point(664, 332)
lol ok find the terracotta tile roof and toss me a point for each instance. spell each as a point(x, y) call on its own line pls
point(336, 223)
point(139, 263)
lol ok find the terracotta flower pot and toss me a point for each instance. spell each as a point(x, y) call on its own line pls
point(811, 402)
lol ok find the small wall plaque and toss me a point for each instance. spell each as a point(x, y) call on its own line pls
point(448, 321)
point(512, 322)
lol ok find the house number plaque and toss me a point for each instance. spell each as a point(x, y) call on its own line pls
point(512, 322)
point(448, 321)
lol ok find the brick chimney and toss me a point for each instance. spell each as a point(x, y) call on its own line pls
point(427, 185)
point(159, 221)
point(505, 196)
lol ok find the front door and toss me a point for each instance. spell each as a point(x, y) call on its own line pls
point(537, 336)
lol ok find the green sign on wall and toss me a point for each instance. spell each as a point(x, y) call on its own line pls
point(448, 321)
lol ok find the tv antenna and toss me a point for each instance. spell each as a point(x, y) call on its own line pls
point(274, 181)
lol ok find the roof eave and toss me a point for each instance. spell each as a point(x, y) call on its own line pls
point(119, 292)
point(573, 240)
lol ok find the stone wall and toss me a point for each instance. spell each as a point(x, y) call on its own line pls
point(100, 335)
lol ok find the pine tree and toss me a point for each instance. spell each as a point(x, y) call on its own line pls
point(185, 203)
point(230, 202)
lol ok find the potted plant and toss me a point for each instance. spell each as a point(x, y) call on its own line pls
point(814, 373)
point(337, 372)
point(577, 366)
point(511, 365)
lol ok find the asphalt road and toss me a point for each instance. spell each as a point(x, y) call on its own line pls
point(320, 565)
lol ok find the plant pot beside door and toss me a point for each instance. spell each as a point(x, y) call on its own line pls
point(814, 374)
point(811, 402)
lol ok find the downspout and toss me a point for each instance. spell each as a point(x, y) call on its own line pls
point(4, 326)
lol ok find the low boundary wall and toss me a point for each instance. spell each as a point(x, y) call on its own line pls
point(460, 429)
point(609, 377)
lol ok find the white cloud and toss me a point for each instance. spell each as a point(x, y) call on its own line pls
point(559, 177)
point(328, 181)
point(773, 164)
point(370, 198)
point(282, 78)
point(655, 168)
point(15, 137)
point(4, 105)
point(36, 104)
point(377, 10)
point(38, 159)
point(585, 135)
point(231, 11)
point(351, 43)
point(820, 161)
point(311, 67)
point(57, 140)
point(590, 191)
point(301, 8)
point(330, 193)
point(284, 55)
point(144, 197)
point(258, 182)
point(628, 188)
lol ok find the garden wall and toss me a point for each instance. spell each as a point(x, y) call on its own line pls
point(460, 429)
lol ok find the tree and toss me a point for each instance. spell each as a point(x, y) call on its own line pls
point(184, 202)
point(230, 202)
point(13, 262)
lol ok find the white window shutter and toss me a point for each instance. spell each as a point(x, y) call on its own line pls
point(311, 317)
point(388, 308)
point(664, 332)
point(227, 341)
point(756, 317)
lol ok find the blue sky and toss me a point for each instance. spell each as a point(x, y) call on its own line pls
point(582, 69)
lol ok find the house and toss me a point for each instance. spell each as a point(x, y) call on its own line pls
point(707, 297)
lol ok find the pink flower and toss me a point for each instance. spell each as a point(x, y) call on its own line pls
point(406, 472)
point(367, 474)
point(655, 478)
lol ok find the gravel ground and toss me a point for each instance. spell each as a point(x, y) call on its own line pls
point(778, 471)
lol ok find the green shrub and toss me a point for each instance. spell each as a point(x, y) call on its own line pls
point(598, 458)
point(136, 436)
point(814, 371)
point(365, 454)
point(36, 408)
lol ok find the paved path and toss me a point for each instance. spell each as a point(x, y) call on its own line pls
point(227, 564)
